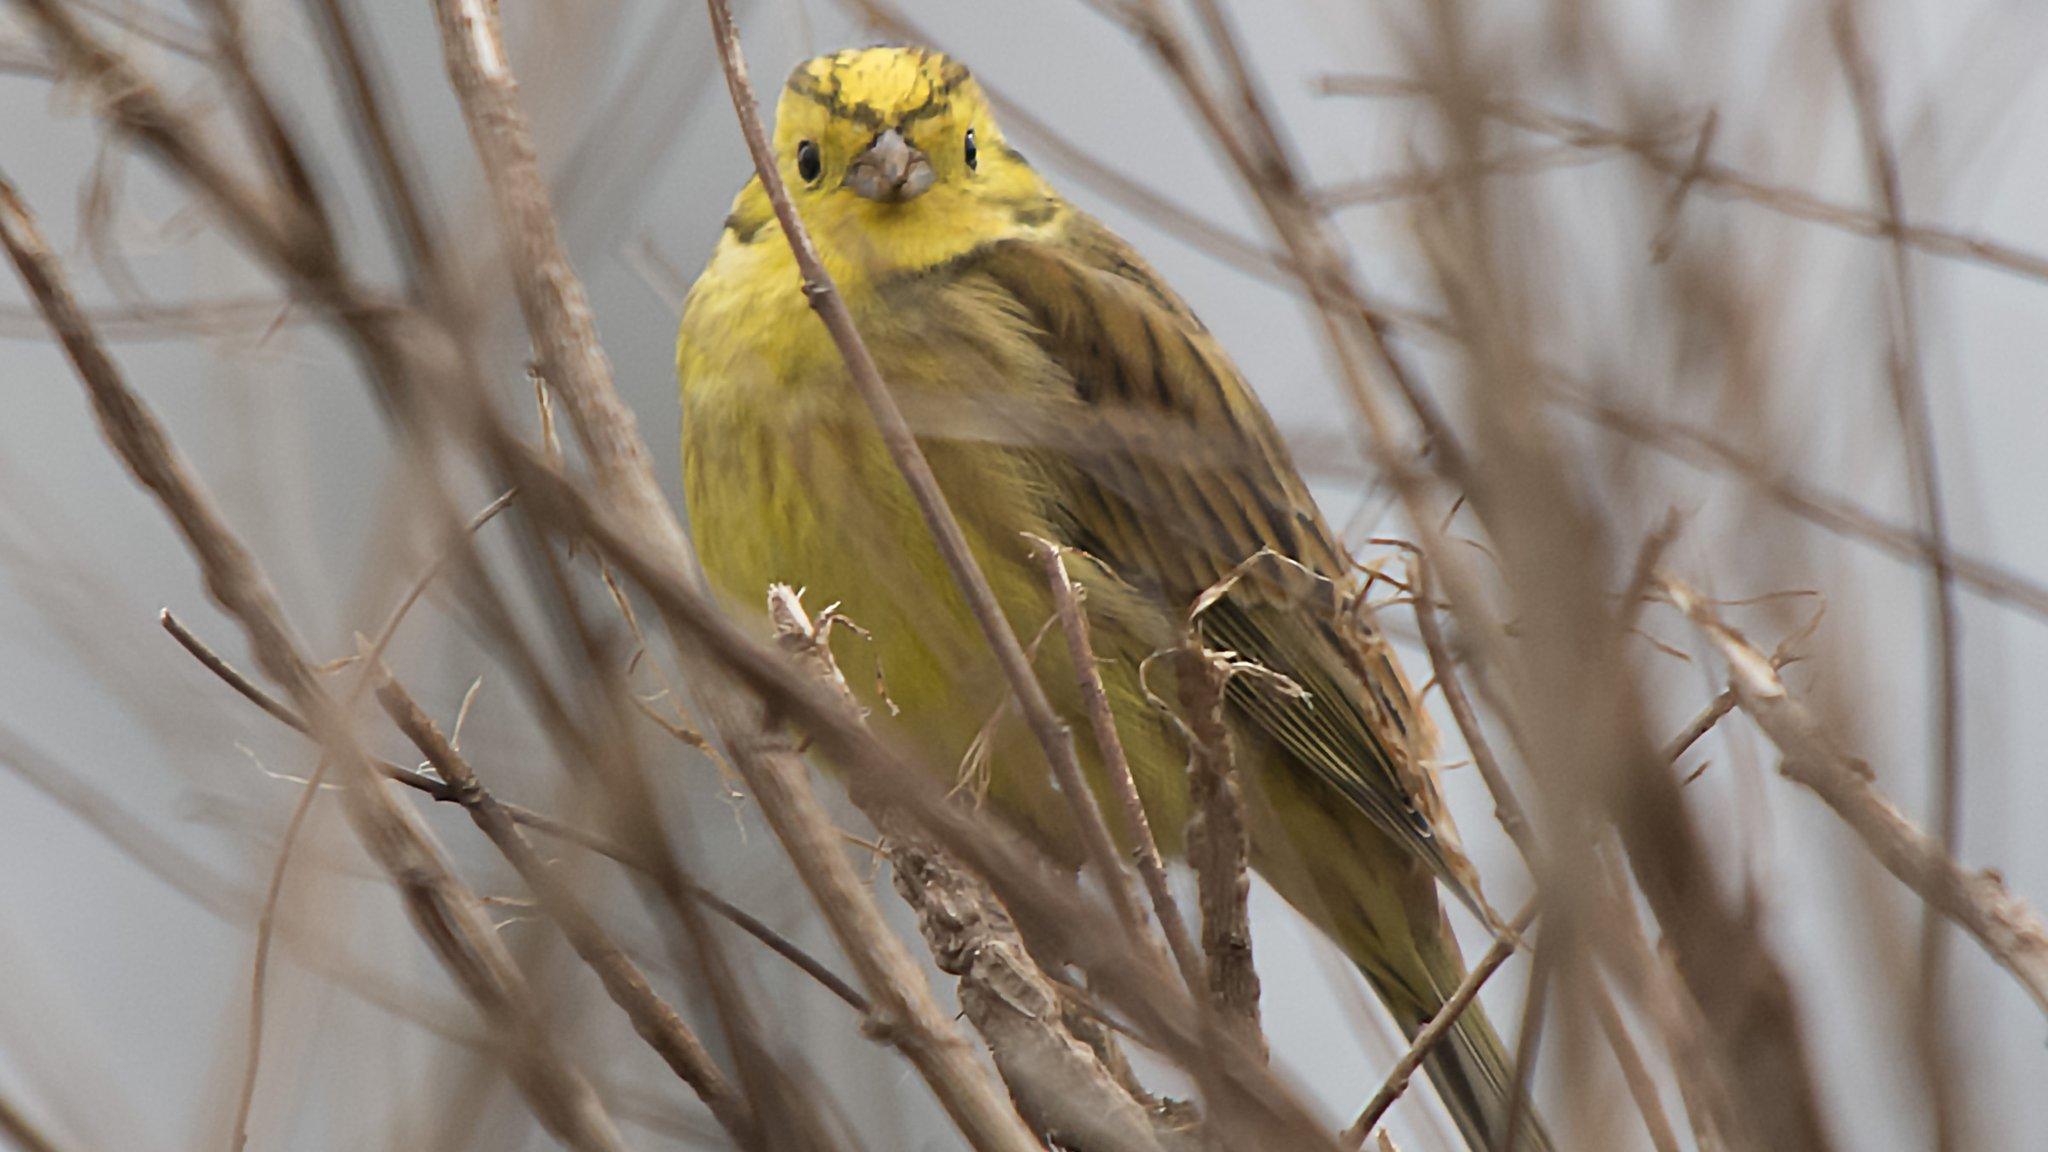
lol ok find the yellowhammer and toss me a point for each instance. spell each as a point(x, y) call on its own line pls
point(1061, 390)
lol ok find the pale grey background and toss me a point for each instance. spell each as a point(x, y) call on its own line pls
point(122, 1003)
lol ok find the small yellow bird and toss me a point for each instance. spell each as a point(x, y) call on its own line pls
point(1060, 390)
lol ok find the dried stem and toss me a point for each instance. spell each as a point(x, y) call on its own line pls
point(1444, 665)
point(22, 1131)
point(266, 927)
point(906, 1011)
point(1219, 846)
point(2006, 927)
point(447, 913)
point(1907, 376)
point(1719, 179)
point(445, 792)
point(653, 1019)
point(1061, 1085)
point(1438, 1027)
point(1102, 721)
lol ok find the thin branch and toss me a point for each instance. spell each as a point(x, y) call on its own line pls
point(445, 792)
point(379, 137)
point(1061, 1086)
point(1699, 725)
point(2007, 928)
point(1634, 1072)
point(1102, 721)
point(1219, 846)
point(1438, 1027)
point(1529, 1037)
point(22, 1131)
point(1720, 179)
point(653, 1019)
point(1506, 807)
point(912, 1018)
point(266, 926)
point(447, 913)
point(1906, 374)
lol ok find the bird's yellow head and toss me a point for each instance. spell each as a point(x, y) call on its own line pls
point(895, 163)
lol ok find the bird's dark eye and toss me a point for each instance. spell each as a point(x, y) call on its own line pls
point(807, 162)
point(972, 153)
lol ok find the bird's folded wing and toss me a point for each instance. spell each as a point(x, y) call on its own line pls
point(1164, 466)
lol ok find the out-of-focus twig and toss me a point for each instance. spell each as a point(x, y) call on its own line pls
point(447, 913)
point(1906, 373)
point(381, 139)
point(1719, 179)
point(21, 1131)
point(1218, 844)
point(266, 927)
point(652, 1017)
point(445, 792)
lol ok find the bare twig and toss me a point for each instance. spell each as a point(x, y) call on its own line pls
point(445, 792)
point(1102, 721)
point(446, 912)
point(911, 1017)
point(266, 926)
point(1634, 1072)
point(2006, 927)
point(1906, 373)
point(653, 1019)
point(1438, 1027)
point(1719, 179)
point(1529, 1037)
point(1218, 845)
point(1059, 1083)
point(21, 1131)
point(1506, 808)
point(380, 138)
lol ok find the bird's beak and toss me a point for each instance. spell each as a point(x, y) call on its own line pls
point(890, 171)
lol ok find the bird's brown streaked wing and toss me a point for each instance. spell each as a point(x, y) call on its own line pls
point(1172, 523)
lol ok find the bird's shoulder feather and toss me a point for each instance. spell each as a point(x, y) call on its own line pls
point(1163, 465)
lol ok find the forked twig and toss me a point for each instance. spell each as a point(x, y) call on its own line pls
point(450, 917)
point(653, 1019)
point(2007, 928)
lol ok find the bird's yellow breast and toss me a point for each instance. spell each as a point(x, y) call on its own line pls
point(786, 480)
